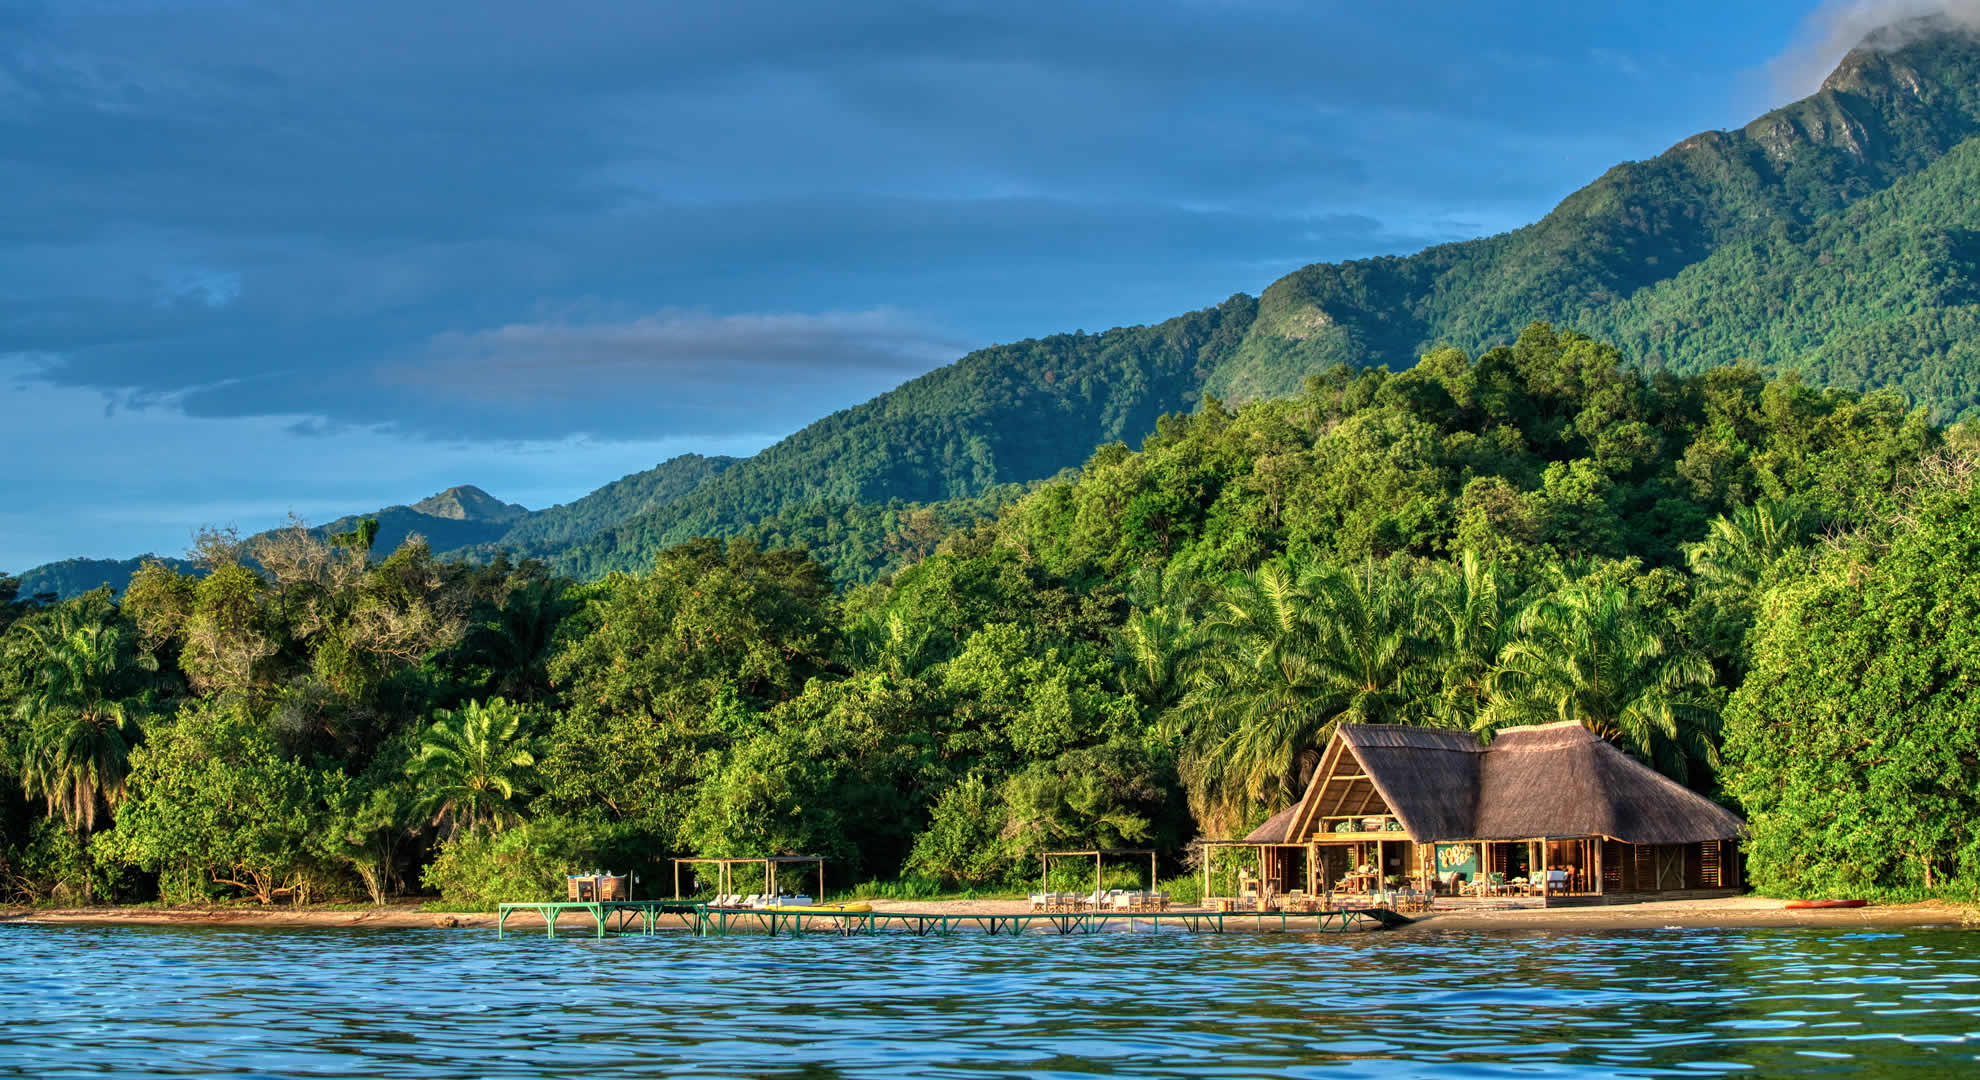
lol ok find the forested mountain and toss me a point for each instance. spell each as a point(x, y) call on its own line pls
point(1835, 237)
point(1828, 237)
point(455, 518)
point(1007, 414)
point(1883, 294)
point(73, 577)
point(1884, 114)
point(620, 500)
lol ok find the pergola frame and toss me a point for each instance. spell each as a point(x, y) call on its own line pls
point(1097, 855)
point(725, 877)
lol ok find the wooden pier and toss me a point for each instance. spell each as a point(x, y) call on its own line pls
point(622, 916)
point(607, 916)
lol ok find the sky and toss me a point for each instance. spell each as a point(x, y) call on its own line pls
point(261, 258)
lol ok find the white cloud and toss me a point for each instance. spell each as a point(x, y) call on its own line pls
point(1841, 25)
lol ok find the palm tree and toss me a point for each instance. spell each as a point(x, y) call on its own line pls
point(517, 638)
point(1155, 648)
point(471, 764)
point(1591, 654)
point(79, 727)
point(1472, 613)
point(1737, 550)
point(1287, 655)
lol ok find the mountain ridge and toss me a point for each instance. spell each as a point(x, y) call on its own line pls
point(1640, 256)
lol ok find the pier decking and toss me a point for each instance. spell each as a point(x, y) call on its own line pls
point(623, 916)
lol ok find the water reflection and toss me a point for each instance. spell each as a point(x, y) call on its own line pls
point(437, 1004)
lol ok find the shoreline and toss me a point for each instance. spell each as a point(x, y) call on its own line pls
point(1746, 912)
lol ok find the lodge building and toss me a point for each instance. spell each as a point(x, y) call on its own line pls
point(1552, 804)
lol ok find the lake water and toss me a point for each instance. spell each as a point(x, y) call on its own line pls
point(459, 1003)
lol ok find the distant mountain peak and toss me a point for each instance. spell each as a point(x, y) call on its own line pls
point(1907, 32)
point(466, 502)
point(1876, 61)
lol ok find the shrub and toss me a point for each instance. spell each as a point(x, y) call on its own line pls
point(527, 862)
point(961, 844)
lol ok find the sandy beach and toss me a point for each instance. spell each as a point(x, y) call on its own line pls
point(1735, 912)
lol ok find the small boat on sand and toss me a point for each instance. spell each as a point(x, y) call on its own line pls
point(1805, 905)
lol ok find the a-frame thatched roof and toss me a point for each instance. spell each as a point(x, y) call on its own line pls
point(1428, 777)
point(1563, 777)
point(1548, 780)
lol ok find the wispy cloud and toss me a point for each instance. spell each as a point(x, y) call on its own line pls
point(1841, 25)
point(744, 356)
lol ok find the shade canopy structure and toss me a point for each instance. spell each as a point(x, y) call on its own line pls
point(726, 866)
point(1098, 855)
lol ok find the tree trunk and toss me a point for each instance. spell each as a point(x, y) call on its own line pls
point(88, 868)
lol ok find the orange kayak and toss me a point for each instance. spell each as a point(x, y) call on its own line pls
point(1799, 905)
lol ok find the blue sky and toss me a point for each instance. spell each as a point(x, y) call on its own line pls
point(262, 257)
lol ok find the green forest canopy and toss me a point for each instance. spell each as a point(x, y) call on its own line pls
point(1133, 653)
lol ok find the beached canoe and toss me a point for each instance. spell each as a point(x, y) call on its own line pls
point(1802, 905)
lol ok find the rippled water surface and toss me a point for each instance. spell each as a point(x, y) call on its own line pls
point(459, 1003)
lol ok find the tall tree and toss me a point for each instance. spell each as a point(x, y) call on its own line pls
point(1472, 612)
point(1592, 654)
point(1288, 654)
point(473, 762)
point(1742, 546)
point(79, 716)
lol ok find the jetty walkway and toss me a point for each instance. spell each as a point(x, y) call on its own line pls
point(704, 920)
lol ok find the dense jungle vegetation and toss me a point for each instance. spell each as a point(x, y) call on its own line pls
point(1761, 588)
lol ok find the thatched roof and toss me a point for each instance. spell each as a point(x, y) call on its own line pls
point(1427, 777)
point(1274, 829)
point(1548, 780)
point(1563, 780)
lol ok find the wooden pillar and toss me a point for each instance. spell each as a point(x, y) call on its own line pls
point(1312, 869)
point(1597, 843)
point(1044, 875)
point(1207, 851)
point(1153, 881)
point(1096, 872)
